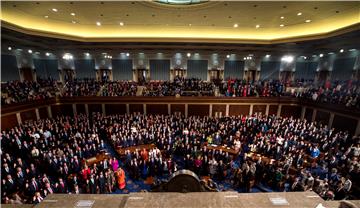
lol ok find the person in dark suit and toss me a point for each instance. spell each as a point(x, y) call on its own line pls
point(33, 186)
point(93, 185)
point(102, 183)
point(10, 185)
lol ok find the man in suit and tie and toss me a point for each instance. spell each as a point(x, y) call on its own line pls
point(34, 186)
point(10, 184)
point(93, 184)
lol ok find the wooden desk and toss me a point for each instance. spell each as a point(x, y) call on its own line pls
point(224, 149)
point(100, 157)
point(132, 149)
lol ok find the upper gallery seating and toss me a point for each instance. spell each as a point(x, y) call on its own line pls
point(337, 92)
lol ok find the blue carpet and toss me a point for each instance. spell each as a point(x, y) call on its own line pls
point(140, 185)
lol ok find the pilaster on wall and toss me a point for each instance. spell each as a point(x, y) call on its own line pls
point(267, 109)
point(49, 112)
point(18, 117)
point(303, 110)
point(103, 109)
point(279, 111)
point(127, 108)
point(210, 110)
point(169, 109)
point(331, 120)
point(227, 110)
point(186, 110)
point(313, 115)
point(87, 109)
point(37, 114)
point(74, 109)
point(144, 109)
point(357, 131)
point(251, 109)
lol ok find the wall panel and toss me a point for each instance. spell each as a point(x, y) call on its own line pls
point(80, 109)
point(270, 70)
point(8, 122)
point(198, 110)
point(122, 69)
point(160, 69)
point(161, 109)
point(28, 115)
point(234, 69)
point(308, 114)
point(94, 108)
point(112, 109)
point(273, 109)
point(259, 109)
point(136, 108)
point(197, 69)
point(236, 110)
point(9, 68)
point(344, 124)
point(84, 68)
point(219, 108)
point(288, 111)
point(177, 108)
point(322, 117)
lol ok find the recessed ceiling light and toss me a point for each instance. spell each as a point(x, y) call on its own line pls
point(30, 51)
point(257, 26)
point(9, 48)
point(236, 25)
point(307, 21)
point(353, 49)
point(46, 16)
point(54, 10)
point(282, 17)
point(228, 56)
point(341, 50)
point(190, 24)
point(267, 55)
point(321, 55)
point(127, 54)
point(74, 22)
point(330, 53)
point(188, 54)
point(87, 54)
point(121, 24)
point(304, 57)
point(72, 14)
point(299, 14)
point(282, 25)
point(98, 23)
point(47, 54)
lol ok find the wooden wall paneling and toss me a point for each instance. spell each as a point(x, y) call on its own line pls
point(177, 108)
point(153, 109)
point(219, 108)
point(198, 110)
point(289, 110)
point(273, 109)
point(259, 109)
point(67, 110)
point(94, 108)
point(136, 108)
point(236, 110)
point(9, 121)
point(308, 114)
point(43, 113)
point(80, 109)
point(28, 115)
point(343, 123)
point(112, 109)
point(56, 110)
point(322, 117)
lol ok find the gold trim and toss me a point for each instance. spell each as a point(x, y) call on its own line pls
point(35, 32)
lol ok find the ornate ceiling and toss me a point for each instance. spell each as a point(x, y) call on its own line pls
point(148, 21)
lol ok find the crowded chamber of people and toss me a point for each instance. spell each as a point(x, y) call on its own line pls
point(267, 152)
point(345, 93)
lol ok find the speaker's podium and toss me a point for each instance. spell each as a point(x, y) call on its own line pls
point(192, 199)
